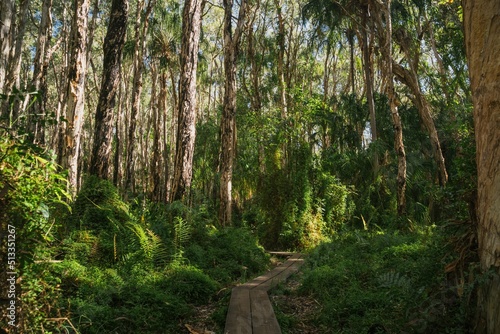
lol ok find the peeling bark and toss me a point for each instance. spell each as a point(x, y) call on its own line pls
point(103, 131)
point(228, 122)
point(482, 39)
point(41, 64)
point(186, 131)
point(75, 91)
point(410, 79)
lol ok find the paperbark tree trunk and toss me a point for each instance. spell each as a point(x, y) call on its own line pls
point(368, 69)
point(186, 127)
point(281, 59)
point(18, 30)
point(482, 39)
point(228, 122)
point(103, 131)
point(76, 87)
point(6, 19)
point(386, 42)
point(140, 45)
point(410, 78)
point(41, 64)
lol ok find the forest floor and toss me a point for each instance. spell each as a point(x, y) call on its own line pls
point(296, 314)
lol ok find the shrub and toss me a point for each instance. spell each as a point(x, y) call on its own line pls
point(32, 196)
point(227, 255)
point(110, 301)
point(364, 280)
point(99, 209)
point(190, 284)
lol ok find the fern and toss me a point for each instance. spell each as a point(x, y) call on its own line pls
point(150, 243)
point(182, 233)
point(394, 279)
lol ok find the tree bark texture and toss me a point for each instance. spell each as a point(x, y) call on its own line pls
point(41, 64)
point(6, 19)
point(281, 60)
point(103, 131)
point(399, 147)
point(409, 77)
point(13, 79)
point(228, 122)
point(482, 39)
point(368, 69)
point(140, 46)
point(186, 130)
point(76, 86)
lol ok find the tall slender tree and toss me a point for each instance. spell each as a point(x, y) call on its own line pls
point(141, 29)
point(228, 122)
point(41, 64)
point(186, 131)
point(368, 71)
point(6, 19)
point(103, 130)
point(386, 46)
point(281, 59)
point(482, 40)
point(18, 32)
point(75, 90)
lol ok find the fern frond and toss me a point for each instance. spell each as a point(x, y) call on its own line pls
point(394, 279)
point(150, 243)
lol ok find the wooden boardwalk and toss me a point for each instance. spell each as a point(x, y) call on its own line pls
point(250, 310)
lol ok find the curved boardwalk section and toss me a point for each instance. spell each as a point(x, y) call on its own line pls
point(250, 310)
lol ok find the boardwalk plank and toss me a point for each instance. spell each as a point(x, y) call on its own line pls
point(250, 310)
point(263, 318)
point(238, 319)
point(278, 274)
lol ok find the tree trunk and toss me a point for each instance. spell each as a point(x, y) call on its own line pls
point(409, 77)
point(368, 69)
point(186, 127)
point(76, 87)
point(256, 99)
point(352, 73)
point(103, 131)
point(140, 39)
point(6, 19)
point(41, 63)
point(58, 140)
point(482, 39)
point(118, 136)
point(281, 60)
point(18, 29)
point(386, 41)
point(228, 122)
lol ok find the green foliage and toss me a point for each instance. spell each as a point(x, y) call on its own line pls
point(41, 296)
point(133, 302)
point(182, 233)
point(171, 258)
point(32, 205)
point(227, 255)
point(99, 209)
point(36, 191)
point(150, 245)
point(98, 205)
point(364, 280)
point(190, 284)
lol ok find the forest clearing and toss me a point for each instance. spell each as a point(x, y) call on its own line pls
point(250, 166)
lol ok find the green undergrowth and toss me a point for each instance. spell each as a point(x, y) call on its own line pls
point(387, 282)
point(144, 268)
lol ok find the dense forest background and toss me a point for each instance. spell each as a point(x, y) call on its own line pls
point(152, 149)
